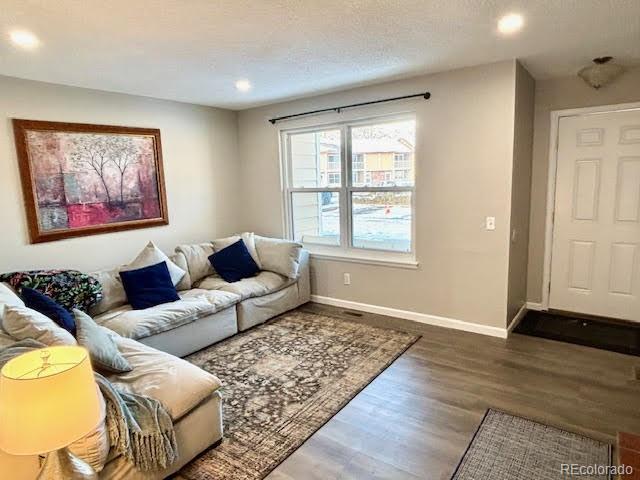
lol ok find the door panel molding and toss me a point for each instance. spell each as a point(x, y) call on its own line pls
point(586, 189)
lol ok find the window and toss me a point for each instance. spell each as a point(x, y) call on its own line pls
point(334, 179)
point(401, 161)
point(351, 186)
point(333, 162)
point(358, 162)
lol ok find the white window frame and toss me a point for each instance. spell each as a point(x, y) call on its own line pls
point(346, 251)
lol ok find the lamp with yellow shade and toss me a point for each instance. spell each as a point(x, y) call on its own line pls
point(48, 400)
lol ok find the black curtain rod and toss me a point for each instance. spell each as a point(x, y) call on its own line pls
point(425, 95)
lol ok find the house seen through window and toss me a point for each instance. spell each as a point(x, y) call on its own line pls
point(351, 186)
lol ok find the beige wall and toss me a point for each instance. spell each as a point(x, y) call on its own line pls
point(199, 150)
point(464, 157)
point(520, 192)
point(559, 94)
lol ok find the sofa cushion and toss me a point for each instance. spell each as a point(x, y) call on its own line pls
point(247, 237)
point(262, 284)
point(22, 323)
point(193, 304)
point(219, 299)
point(234, 262)
point(279, 256)
point(152, 255)
point(113, 294)
point(197, 257)
point(149, 286)
point(179, 385)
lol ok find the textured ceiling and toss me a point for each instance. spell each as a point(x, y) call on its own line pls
point(194, 50)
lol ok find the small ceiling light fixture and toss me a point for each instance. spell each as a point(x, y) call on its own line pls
point(243, 85)
point(510, 23)
point(601, 72)
point(24, 39)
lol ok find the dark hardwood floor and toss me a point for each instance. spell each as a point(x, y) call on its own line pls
point(415, 420)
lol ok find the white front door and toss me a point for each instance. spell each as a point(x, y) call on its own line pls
point(595, 259)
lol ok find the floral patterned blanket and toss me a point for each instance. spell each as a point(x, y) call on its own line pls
point(70, 288)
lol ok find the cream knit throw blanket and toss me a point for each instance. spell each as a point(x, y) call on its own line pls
point(139, 427)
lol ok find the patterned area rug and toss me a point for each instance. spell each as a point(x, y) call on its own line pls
point(506, 447)
point(282, 381)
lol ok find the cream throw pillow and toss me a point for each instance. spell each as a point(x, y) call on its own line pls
point(22, 323)
point(249, 240)
point(279, 256)
point(113, 294)
point(152, 255)
point(8, 297)
point(197, 257)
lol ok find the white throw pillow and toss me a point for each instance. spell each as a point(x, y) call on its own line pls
point(22, 323)
point(249, 240)
point(152, 255)
point(279, 256)
point(8, 298)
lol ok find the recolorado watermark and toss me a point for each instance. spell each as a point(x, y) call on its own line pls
point(577, 470)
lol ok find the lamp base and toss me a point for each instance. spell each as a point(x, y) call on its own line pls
point(62, 465)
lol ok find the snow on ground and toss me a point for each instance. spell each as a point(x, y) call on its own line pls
point(374, 226)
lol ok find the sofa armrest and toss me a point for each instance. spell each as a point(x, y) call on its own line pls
point(304, 277)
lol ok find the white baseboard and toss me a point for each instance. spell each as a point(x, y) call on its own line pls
point(519, 316)
point(414, 316)
point(535, 306)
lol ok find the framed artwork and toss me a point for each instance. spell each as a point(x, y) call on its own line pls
point(80, 179)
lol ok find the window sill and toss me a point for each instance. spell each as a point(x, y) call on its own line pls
point(380, 260)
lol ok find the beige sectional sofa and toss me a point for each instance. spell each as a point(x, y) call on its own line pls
point(208, 311)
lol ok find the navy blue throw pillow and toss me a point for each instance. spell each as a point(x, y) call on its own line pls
point(49, 307)
point(149, 286)
point(234, 262)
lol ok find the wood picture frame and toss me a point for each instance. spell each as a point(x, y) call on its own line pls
point(82, 179)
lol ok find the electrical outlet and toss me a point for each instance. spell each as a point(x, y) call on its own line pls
point(490, 223)
point(347, 279)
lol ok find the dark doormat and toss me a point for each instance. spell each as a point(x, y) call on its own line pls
point(605, 334)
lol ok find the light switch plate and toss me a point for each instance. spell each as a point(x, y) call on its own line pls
point(490, 223)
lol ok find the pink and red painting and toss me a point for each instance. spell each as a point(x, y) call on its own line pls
point(82, 179)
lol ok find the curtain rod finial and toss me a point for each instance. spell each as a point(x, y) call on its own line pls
point(427, 95)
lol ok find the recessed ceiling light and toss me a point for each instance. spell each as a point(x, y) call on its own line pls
point(243, 85)
point(24, 39)
point(510, 23)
